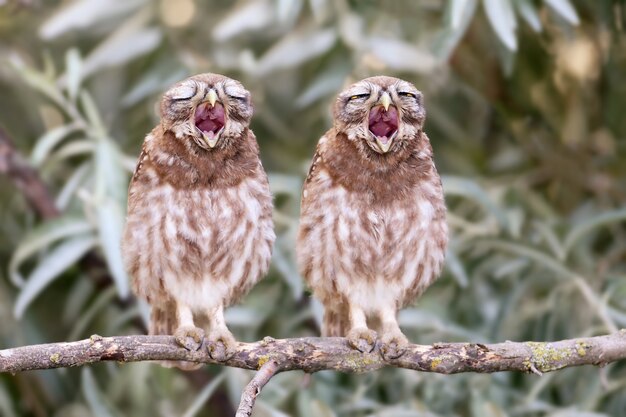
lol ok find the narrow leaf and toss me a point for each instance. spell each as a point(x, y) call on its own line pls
point(50, 267)
point(529, 13)
point(584, 228)
point(96, 400)
point(41, 237)
point(110, 225)
point(73, 78)
point(565, 9)
point(48, 141)
point(502, 20)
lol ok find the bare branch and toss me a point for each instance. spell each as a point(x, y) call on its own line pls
point(314, 354)
point(253, 389)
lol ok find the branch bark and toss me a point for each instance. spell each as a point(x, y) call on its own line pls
point(312, 354)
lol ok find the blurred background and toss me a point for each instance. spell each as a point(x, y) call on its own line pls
point(526, 103)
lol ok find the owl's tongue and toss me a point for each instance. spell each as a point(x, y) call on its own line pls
point(383, 123)
point(210, 119)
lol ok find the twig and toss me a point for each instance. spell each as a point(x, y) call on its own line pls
point(253, 389)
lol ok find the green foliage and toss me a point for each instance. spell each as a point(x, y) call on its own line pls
point(525, 111)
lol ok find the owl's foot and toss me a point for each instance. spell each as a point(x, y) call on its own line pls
point(362, 339)
point(189, 337)
point(222, 345)
point(393, 344)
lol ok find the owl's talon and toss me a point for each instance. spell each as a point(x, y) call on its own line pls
point(189, 337)
point(362, 339)
point(393, 345)
point(221, 346)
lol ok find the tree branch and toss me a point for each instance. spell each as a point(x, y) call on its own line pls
point(312, 354)
point(253, 389)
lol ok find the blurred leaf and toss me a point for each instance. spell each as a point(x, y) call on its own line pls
point(50, 267)
point(6, 407)
point(83, 14)
point(584, 227)
point(244, 18)
point(289, 10)
point(565, 9)
point(96, 400)
point(295, 50)
point(458, 9)
point(110, 225)
point(454, 264)
point(49, 140)
point(103, 299)
point(529, 13)
point(73, 63)
point(464, 187)
point(403, 56)
point(203, 396)
point(502, 19)
point(38, 82)
point(121, 48)
point(150, 84)
point(72, 184)
point(93, 115)
point(40, 237)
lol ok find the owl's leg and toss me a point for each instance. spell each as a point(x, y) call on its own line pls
point(187, 334)
point(359, 336)
point(221, 342)
point(393, 341)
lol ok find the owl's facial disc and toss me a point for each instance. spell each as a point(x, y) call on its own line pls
point(210, 120)
point(383, 126)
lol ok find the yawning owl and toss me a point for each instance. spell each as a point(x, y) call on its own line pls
point(199, 230)
point(372, 231)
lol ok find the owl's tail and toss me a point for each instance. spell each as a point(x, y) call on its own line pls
point(163, 322)
point(335, 321)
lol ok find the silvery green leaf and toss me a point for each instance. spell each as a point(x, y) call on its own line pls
point(150, 84)
point(453, 185)
point(565, 9)
point(40, 237)
point(103, 299)
point(296, 49)
point(50, 267)
point(74, 77)
point(288, 10)
point(121, 48)
point(98, 403)
point(110, 226)
point(458, 9)
point(251, 16)
point(93, 115)
point(38, 81)
point(6, 406)
point(325, 84)
point(403, 56)
point(584, 227)
point(529, 13)
point(73, 148)
point(456, 267)
point(49, 140)
point(502, 19)
point(72, 184)
point(82, 14)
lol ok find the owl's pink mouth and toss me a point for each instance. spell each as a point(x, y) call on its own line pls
point(210, 119)
point(383, 125)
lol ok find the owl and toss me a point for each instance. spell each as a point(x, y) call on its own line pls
point(199, 229)
point(373, 232)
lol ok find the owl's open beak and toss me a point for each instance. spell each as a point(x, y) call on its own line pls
point(210, 119)
point(383, 123)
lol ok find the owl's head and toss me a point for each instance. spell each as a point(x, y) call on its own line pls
point(380, 114)
point(209, 109)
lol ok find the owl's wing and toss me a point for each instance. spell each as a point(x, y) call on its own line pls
point(132, 187)
point(311, 174)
